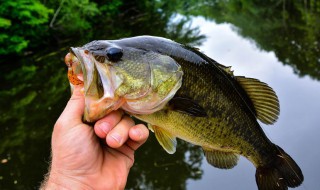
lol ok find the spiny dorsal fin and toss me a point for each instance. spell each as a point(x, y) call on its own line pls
point(166, 140)
point(219, 159)
point(229, 71)
point(226, 69)
point(264, 99)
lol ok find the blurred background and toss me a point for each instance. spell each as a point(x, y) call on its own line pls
point(274, 41)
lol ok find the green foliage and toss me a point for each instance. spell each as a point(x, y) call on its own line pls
point(109, 9)
point(5, 23)
point(29, 24)
point(21, 22)
point(73, 16)
point(35, 88)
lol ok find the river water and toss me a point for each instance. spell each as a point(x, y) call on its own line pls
point(39, 93)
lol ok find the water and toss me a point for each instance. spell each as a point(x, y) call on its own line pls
point(33, 95)
point(297, 129)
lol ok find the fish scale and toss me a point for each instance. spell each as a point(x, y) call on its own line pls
point(192, 97)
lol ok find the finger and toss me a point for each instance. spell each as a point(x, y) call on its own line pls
point(120, 133)
point(103, 126)
point(72, 114)
point(138, 135)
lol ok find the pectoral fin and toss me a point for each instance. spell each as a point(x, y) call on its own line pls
point(166, 140)
point(187, 106)
point(219, 159)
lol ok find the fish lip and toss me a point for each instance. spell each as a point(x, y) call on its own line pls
point(71, 50)
point(92, 103)
point(76, 52)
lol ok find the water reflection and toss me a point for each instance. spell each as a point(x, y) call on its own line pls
point(31, 100)
point(35, 89)
point(288, 28)
point(156, 169)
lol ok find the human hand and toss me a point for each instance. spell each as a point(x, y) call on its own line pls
point(81, 160)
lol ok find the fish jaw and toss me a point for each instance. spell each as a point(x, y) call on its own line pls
point(98, 86)
point(98, 108)
point(75, 75)
point(140, 82)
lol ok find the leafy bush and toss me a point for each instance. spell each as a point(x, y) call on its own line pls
point(27, 24)
point(21, 22)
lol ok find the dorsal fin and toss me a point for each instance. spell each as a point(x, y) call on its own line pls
point(226, 69)
point(264, 99)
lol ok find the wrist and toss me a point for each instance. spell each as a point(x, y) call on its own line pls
point(58, 181)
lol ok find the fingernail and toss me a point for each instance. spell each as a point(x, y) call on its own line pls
point(105, 127)
point(116, 137)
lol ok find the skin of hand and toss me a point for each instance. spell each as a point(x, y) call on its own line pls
point(99, 157)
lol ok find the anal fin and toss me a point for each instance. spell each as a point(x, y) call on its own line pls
point(166, 139)
point(220, 159)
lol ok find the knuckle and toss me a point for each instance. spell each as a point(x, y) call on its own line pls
point(128, 119)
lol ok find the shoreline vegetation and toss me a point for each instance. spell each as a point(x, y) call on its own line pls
point(35, 36)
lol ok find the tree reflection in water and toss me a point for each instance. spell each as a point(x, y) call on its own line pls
point(156, 169)
point(36, 90)
point(291, 29)
point(34, 87)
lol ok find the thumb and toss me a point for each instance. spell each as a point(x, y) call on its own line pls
point(73, 112)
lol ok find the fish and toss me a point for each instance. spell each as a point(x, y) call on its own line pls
point(182, 93)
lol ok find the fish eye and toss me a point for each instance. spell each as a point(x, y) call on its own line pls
point(114, 54)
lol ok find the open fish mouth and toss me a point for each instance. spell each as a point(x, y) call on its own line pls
point(137, 81)
point(97, 87)
point(98, 81)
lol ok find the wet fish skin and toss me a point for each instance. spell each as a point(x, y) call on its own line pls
point(231, 125)
point(216, 91)
point(217, 111)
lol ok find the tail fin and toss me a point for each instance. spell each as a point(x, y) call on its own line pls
point(282, 173)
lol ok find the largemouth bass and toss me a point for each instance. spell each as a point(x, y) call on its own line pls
point(182, 93)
